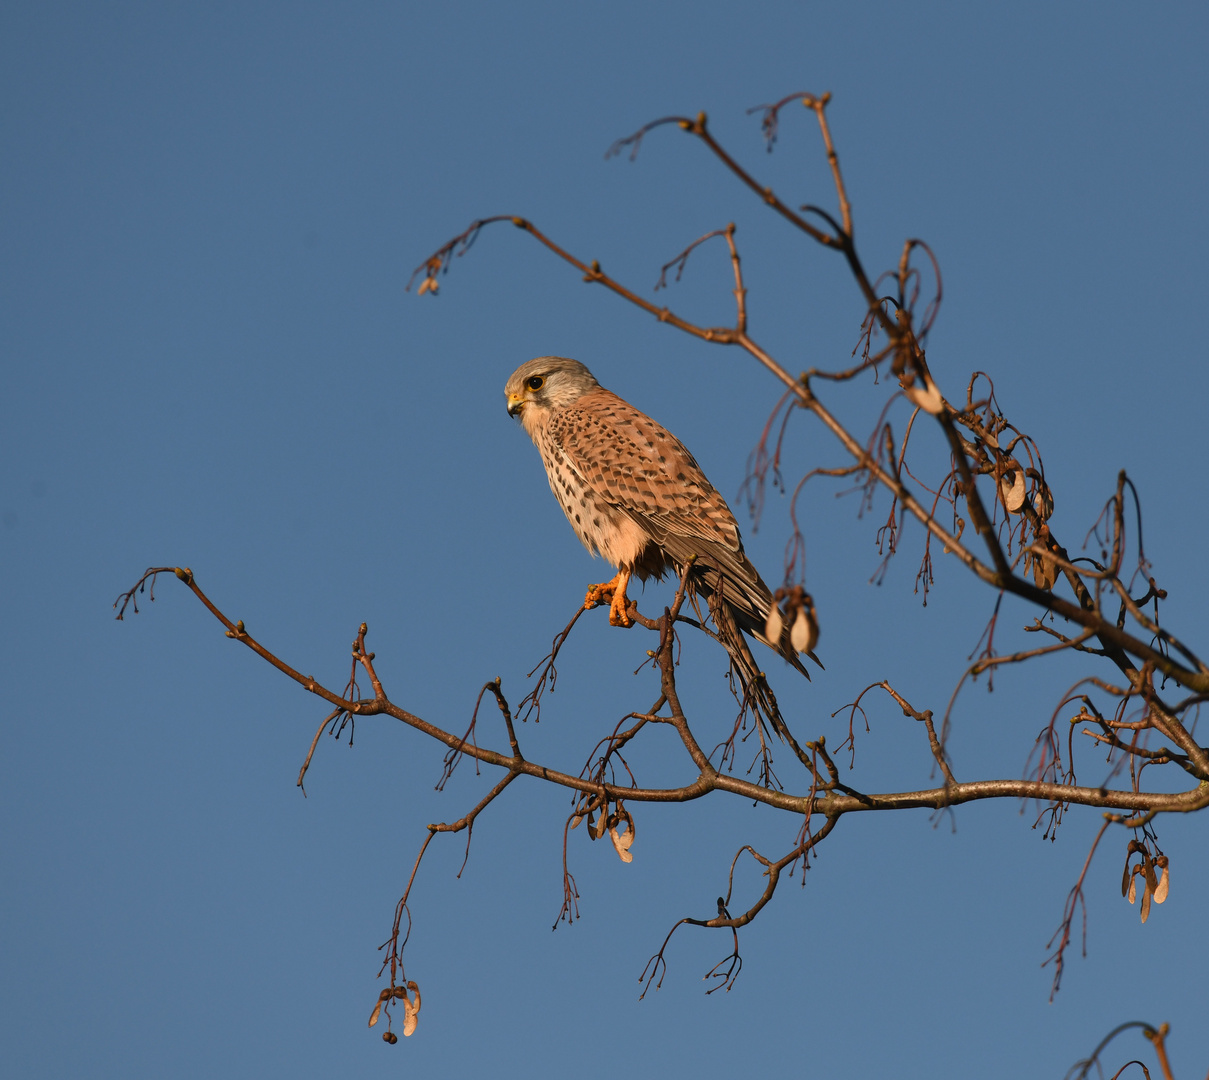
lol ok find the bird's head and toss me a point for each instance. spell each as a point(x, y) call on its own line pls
point(550, 382)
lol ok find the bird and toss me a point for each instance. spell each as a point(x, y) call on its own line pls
point(635, 496)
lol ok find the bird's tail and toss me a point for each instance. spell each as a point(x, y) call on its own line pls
point(754, 610)
point(757, 694)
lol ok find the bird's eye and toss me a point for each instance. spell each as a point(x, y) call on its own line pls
point(535, 382)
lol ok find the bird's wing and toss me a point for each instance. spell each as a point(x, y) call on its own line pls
point(643, 470)
point(640, 467)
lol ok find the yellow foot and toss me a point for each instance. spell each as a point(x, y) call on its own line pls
point(613, 594)
point(619, 610)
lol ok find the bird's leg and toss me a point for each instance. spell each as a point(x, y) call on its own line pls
point(613, 594)
point(618, 609)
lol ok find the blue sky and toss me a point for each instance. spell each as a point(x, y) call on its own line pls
point(209, 214)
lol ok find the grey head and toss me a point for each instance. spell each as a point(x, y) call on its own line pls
point(545, 384)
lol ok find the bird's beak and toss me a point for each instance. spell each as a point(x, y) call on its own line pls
point(515, 404)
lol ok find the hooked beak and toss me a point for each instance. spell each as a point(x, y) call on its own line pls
point(515, 404)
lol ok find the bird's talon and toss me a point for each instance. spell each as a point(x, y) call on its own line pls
point(619, 614)
point(613, 594)
point(599, 594)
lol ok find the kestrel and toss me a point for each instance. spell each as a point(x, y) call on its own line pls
point(636, 496)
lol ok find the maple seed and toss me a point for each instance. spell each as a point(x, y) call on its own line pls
point(1160, 894)
point(1043, 503)
point(1152, 882)
point(1011, 490)
point(410, 1009)
point(622, 843)
point(774, 626)
point(805, 633)
point(1045, 572)
point(928, 398)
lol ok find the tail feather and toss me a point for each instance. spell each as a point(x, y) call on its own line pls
point(720, 566)
point(750, 602)
point(756, 690)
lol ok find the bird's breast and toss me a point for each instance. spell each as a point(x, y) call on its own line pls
point(603, 529)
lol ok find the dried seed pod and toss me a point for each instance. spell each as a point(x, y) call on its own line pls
point(1045, 573)
point(1145, 905)
point(603, 823)
point(927, 396)
point(411, 1010)
point(390, 1037)
point(1152, 881)
point(1011, 490)
point(1133, 887)
point(774, 626)
point(1160, 894)
point(805, 633)
point(622, 842)
point(1043, 502)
